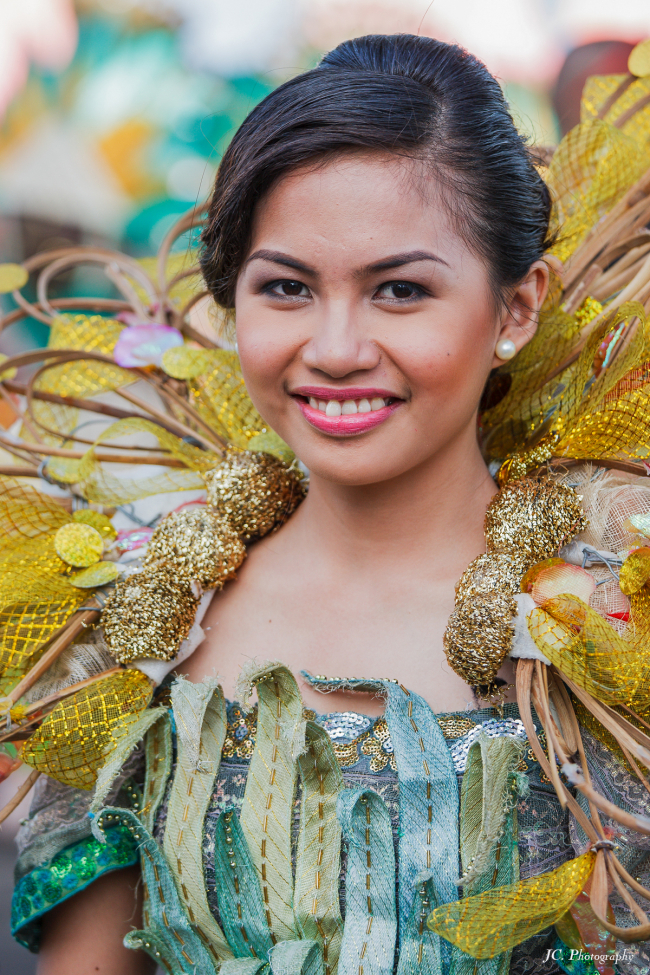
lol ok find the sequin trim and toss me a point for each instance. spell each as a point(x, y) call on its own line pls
point(70, 871)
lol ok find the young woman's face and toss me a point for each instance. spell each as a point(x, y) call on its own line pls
point(365, 324)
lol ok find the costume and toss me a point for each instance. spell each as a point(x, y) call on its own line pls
point(271, 840)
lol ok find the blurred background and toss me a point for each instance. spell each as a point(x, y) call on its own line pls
point(114, 115)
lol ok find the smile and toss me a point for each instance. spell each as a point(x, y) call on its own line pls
point(345, 412)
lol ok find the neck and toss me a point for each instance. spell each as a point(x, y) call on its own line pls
point(435, 509)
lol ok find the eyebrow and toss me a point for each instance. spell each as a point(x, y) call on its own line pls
point(396, 260)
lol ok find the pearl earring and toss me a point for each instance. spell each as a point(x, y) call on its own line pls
point(505, 349)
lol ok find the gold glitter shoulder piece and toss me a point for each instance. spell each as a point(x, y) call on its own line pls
point(575, 401)
point(189, 425)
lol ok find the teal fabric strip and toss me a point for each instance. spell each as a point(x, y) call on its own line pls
point(168, 937)
point(370, 929)
point(419, 947)
point(238, 891)
point(69, 872)
point(428, 790)
point(297, 958)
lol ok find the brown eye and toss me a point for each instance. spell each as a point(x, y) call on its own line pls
point(290, 289)
point(403, 290)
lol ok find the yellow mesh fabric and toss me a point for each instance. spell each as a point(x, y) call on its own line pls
point(36, 599)
point(92, 333)
point(220, 396)
point(592, 168)
point(612, 667)
point(24, 513)
point(73, 740)
point(591, 416)
point(487, 924)
point(106, 483)
point(599, 89)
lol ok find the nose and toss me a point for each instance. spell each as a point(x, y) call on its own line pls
point(339, 345)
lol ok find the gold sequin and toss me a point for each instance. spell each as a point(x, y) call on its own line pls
point(455, 727)
point(241, 730)
point(254, 491)
point(199, 545)
point(149, 614)
point(99, 574)
point(79, 545)
point(102, 524)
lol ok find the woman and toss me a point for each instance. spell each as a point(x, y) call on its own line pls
point(379, 228)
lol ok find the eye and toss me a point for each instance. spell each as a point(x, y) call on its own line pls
point(399, 290)
point(288, 289)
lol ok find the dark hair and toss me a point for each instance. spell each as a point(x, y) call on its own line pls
point(402, 94)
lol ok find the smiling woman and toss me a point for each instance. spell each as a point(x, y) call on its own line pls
point(379, 230)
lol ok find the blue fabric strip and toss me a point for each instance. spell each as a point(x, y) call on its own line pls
point(370, 929)
point(428, 789)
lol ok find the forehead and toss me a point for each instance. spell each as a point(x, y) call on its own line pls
point(356, 203)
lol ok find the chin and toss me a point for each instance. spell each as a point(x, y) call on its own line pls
point(355, 464)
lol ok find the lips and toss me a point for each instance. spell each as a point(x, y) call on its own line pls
point(347, 412)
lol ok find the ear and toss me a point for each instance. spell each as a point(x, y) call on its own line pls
point(521, 316)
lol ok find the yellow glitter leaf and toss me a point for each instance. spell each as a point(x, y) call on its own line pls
point(95, 575)
point(638, 62)
point(12, 277)
point(635, 571)
point(271, 443)
point(184, 362)
point(79, 545)
point(86, 516)
point(498, 919)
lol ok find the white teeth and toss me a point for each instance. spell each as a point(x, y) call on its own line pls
point(364, 406)
point(313, 403)
point(377, 403)
point(349, 407)
point(322, 405)
point(333, 408)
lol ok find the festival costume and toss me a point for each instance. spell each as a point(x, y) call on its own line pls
point(270, 839)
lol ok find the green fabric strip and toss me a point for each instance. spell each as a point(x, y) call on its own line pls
point(200, 716)
point(244, 966)
point(238, 890)
point(68, 873)
point(168, 928)
point(489, 851)
point(370, 929)
point(318, 862)
point(297, 958)
point(118, 755)
point(267, 811)
point(158, 752)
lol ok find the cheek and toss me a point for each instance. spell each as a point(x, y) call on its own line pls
point(450, 364)
point(264, 353)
